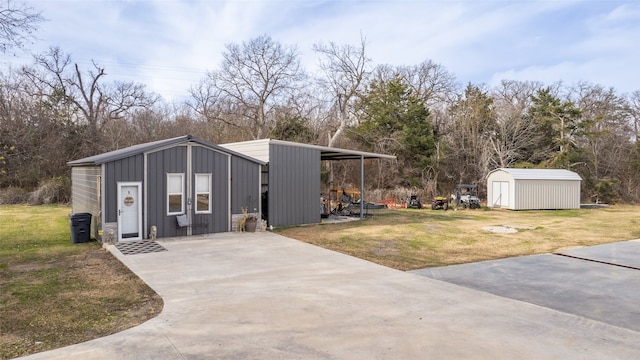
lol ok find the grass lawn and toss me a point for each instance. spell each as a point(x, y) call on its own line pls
point(409, 239)
point(54, 293)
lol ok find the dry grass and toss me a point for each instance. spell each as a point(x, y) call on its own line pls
point(54, 293)
point(408, 239)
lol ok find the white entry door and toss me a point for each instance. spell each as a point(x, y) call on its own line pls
point(129, 211)
point(500, 193)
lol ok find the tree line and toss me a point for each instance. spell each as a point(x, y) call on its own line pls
point(441, 131)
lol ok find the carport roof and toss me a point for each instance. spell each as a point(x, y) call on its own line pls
point(260, 150)
point(151, 146)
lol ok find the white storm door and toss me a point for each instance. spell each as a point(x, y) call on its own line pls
point(129, 211)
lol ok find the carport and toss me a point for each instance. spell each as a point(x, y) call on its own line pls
point(290, 189)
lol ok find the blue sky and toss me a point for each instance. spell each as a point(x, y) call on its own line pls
point(169, 45)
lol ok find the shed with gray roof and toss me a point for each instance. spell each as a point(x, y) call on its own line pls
point(131, 190)
point(533, 189)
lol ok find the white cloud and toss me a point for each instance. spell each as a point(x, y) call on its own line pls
point(169, 44)
point(604, 53)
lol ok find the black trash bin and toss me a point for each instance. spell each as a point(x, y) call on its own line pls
point(80, 227)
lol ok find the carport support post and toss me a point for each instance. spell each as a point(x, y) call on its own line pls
point(361, 186)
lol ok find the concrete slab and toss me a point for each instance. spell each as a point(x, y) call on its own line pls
point(625, 253)
point(594, 290)
point(264, 296)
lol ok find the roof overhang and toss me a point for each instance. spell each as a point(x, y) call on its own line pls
point(344, 154)
point(326, 153)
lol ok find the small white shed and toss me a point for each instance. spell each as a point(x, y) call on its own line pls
point(533, 189)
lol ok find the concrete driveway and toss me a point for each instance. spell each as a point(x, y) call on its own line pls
point(264, 296)
point(596, 282)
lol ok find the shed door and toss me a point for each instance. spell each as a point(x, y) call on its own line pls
point(500, 193)
point(129, 211)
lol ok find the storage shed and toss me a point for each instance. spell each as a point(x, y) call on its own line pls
point(533, 189)
point(291, 177)
point(179, 186)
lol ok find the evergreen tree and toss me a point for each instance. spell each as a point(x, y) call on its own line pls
point(393, 120)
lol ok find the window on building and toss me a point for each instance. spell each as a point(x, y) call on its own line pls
point(175, 194)
point(203, 193)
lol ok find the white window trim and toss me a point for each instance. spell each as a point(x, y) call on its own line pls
point(182, 193)
point(208, 211)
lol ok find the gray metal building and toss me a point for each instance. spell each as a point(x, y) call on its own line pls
point(291, 177)
point(533, 189)
point(132, 189)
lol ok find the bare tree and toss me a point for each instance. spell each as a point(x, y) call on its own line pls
point(515, 133)
point(224, 118)
point(345, 69)
point(469, 147)
point(37, 137)
point(95, 102)
point(254, 78)
point(206, 98)
point(634, 110)
point(17, 25)
point(431, 82)
point(604, 132)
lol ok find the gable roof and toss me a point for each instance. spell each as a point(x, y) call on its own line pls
point(260, 150)
point(151, 146)
point(540, 174)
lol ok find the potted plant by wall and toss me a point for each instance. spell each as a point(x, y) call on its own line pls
point(251, 223)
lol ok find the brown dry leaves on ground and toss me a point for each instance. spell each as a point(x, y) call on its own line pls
point(408, 239)
point(70, 299)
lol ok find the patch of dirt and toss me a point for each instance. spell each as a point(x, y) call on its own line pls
point(384, 248)
point(500, 229)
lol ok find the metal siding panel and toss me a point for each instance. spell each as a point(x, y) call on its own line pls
point(548, 194)
point(111, 192)
point(220, 190)
point(245, 187)
point(207, 161)
point(127, 169)
point(517, 200)
point(154, 205)
point(294, 185)
point(156, 202)
point(159, 163)
point(279, 201)
point(257, 149)
point(500, 175)
point(84, 189)
point(311, 168)
point(84, 194)
point(297, 183)
point(236, 186)
point(489, 191)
